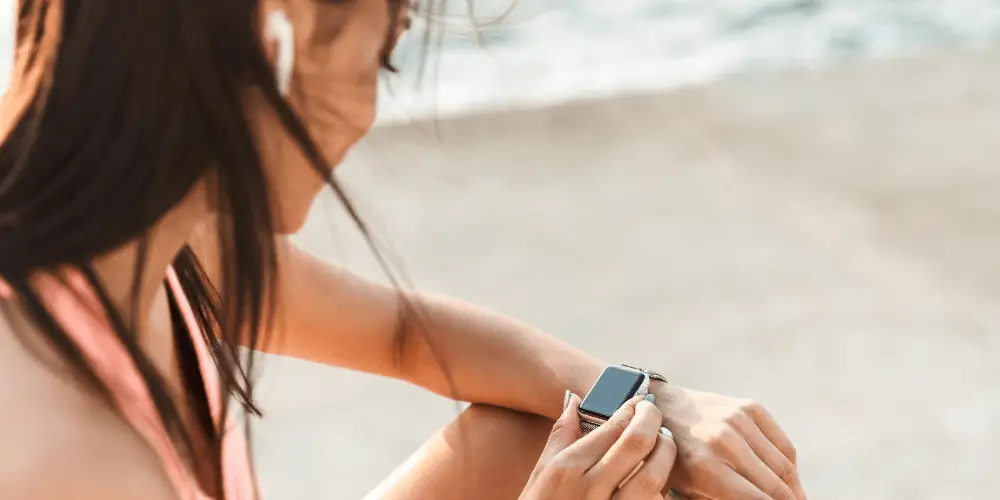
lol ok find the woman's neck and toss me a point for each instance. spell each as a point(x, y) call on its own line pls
point(116, 269)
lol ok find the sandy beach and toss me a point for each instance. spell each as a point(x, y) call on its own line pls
point(824, 242)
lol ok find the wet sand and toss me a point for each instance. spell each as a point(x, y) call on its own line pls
point(826, 243)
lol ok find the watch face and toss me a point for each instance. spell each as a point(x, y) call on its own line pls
point(616, 386)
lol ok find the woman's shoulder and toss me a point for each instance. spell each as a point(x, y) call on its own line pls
point(61, 441)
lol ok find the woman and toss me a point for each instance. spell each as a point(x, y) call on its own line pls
point(150, 164)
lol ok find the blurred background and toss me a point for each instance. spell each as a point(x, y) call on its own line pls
point(789, 200)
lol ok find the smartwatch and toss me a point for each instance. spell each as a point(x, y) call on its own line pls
point(616, 385)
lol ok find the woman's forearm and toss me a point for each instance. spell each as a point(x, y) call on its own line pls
point(468, 353)
point(331, 316)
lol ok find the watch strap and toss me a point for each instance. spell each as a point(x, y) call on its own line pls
point(652, 375)
point(587, 427)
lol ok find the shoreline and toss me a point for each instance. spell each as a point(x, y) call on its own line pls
point(841, 69)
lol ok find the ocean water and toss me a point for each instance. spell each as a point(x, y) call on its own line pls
point(7, 16)
point(551, 51)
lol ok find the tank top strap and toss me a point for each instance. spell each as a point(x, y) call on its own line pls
point(237, 468)
point(76, 307)
point(206, 363)
point(74, 304)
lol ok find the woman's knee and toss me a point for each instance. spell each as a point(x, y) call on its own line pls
point(486, 453)
point(507, 423)
point(485, 426)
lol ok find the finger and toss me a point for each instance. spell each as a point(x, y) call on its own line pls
point(565, 431)
point(651, 478)
point(635, 444)
point(752, 467)
point(772, 431)
point(620, 495)
point(727, 484)
point(592, 447)
point(776, 461)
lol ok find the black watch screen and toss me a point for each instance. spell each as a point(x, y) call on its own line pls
point(615, 386)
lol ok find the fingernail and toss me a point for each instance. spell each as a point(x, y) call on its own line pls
point(650, 397)
point(666, 432)
point(566, 399)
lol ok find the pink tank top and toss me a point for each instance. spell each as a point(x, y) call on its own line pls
point(76, 310)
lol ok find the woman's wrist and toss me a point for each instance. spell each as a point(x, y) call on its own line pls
point(659, 388)
point(578, 378)
point(670, 398)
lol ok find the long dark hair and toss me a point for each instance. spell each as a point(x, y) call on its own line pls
point(137, 102)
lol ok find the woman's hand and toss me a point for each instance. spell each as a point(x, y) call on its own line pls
point(729, 449)
point(603, 464)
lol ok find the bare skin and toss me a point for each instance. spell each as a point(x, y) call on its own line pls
point(727, 448)
point(495, 459)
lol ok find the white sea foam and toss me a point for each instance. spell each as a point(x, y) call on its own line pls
point(551, 51)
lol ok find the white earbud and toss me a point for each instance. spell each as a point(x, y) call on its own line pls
point(280, 30)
